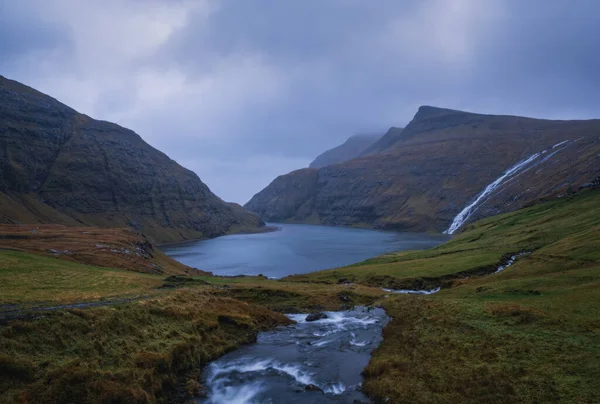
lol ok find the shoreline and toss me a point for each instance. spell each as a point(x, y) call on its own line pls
point(260, 230)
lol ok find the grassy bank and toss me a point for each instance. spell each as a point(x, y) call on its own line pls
point(139, 352)
point(144, 351)
point(530, 333)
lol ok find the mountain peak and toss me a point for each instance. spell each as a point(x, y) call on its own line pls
point(428, 111)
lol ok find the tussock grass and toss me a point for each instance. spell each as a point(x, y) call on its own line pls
point(106, 247)
point(530, 333)
point(139, 352)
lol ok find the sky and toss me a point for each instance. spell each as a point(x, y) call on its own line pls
point(241, 91)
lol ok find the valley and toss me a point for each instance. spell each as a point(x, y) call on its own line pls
point(529, 332)
point(453, 260)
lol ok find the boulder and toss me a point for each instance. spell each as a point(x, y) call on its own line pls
point(316, 316)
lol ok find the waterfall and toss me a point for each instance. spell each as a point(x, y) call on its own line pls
point(512, 172)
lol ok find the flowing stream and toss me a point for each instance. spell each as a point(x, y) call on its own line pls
point(308, 362)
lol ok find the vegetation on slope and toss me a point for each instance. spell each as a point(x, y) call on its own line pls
point(149, 340)
point(59, 166)
point(114, 248)
point(530, 333)
point(132, 353)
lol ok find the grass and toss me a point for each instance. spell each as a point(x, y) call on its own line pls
point(530, 333)
point(29, 278)
point(114, 248)
point(145, 351)
point(139, 352)
point(555, 226)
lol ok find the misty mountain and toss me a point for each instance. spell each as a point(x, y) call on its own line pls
point(420, 178)
point(351, 148)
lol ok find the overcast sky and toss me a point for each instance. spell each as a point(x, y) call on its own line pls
point(241, 91)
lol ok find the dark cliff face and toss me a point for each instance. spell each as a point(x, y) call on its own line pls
point(420, 178)
point(59, 166)
point(350, 149)
point(289, 197)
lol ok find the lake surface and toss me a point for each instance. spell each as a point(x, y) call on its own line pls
point(294, 249)
point(309, 362)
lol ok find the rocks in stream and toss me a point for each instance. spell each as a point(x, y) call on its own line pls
point(312, 387)
point(316, 316)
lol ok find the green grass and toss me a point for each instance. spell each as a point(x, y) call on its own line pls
point(140, 352)
point(566, 226)
point(530, 333)
point(30, 278)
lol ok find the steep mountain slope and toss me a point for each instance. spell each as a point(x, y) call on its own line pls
point(59, 166)
point(419, 179)
point(350, 149)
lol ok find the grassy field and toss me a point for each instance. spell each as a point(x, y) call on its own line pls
point(105, 247)
point(29, 278)
point(530, 333)
point(144, 351)
point(139, 352)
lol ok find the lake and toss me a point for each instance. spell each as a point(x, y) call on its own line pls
point(294, 249)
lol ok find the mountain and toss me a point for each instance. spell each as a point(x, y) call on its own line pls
point(350, 149)
point(424, 177)
point(60, 166)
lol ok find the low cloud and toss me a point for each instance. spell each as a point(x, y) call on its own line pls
point(241, 92)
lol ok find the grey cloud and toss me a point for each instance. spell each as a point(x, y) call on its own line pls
point(252, 89)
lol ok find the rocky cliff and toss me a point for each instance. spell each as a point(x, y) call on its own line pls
point(350, 149)
point(59, 166)
point(421, 178)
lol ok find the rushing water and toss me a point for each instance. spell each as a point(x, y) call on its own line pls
point(294, 249)
point(327, 356)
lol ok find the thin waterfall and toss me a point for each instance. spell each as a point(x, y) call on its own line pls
point(512, 172)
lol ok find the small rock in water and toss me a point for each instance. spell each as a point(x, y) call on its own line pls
point(312, 387)
point(316, 316)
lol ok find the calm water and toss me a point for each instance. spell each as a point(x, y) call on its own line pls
point(294, 249)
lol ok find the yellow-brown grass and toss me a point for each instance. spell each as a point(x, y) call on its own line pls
point(141, 352)
point(106, 247)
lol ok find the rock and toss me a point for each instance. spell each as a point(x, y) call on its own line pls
point(312, 387)
point(80, 171)
point(316, 316)
point(344, 297)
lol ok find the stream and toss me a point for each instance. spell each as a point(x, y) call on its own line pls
point(308, 362)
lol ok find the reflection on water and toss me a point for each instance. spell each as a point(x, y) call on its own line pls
point(294, 249)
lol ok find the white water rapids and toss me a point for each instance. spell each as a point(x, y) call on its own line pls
point(309, 362)
point(514, 171)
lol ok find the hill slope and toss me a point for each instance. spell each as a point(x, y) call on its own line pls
point(350, 149)
point(527, 333)
point(421, 178)
point(59, 166)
